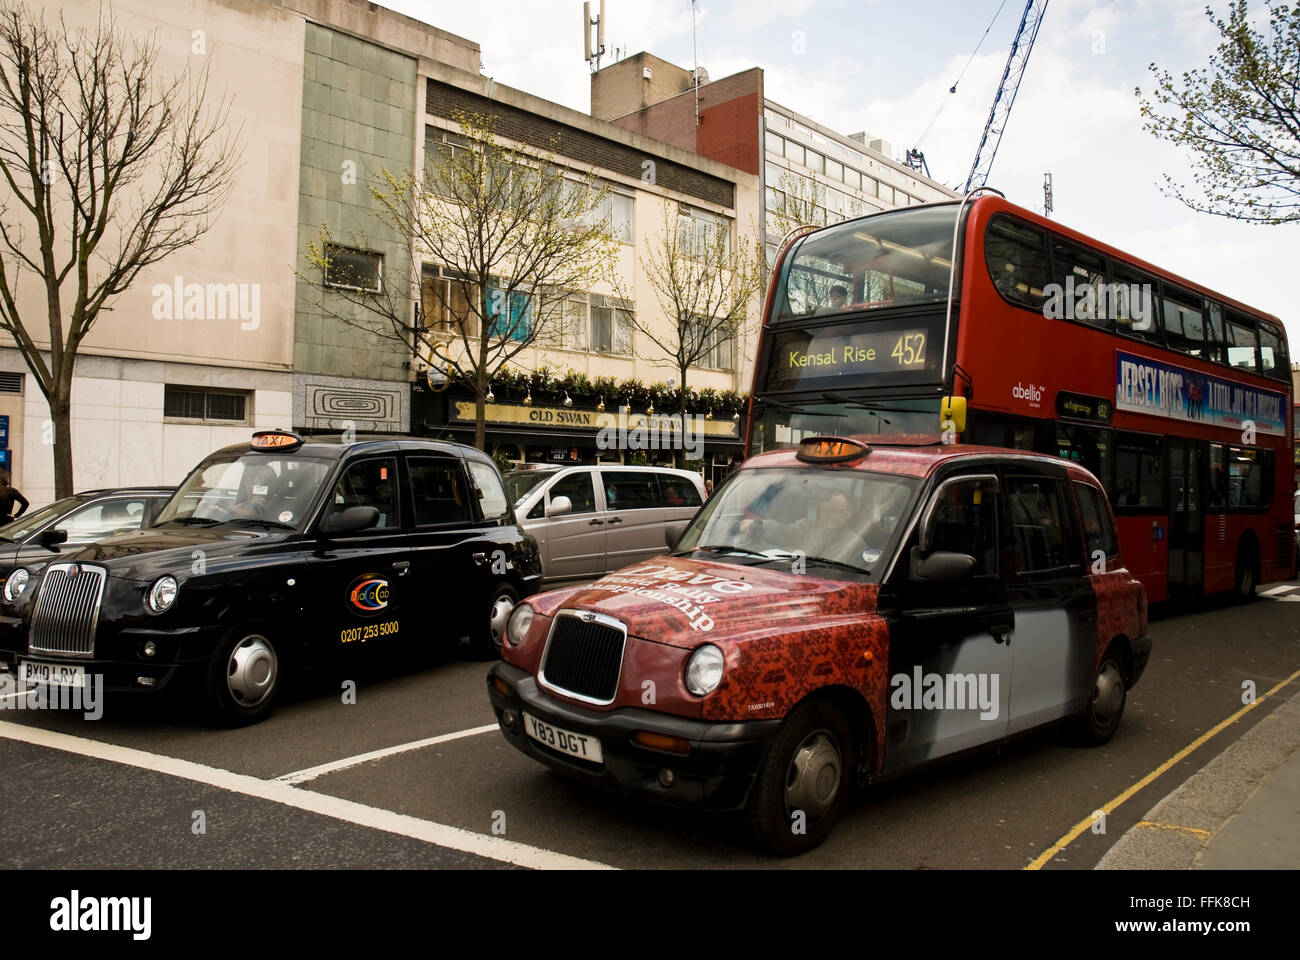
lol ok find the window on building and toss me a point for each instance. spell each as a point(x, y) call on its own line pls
point(190, 403)
point(698, 231)
point(715, 340)
point(834, 169)
point(775, 144)
point(794, 152)
point(570, 317)
point(617, 211)
point(852, 178)
point(815, 162)
point(510, 314)
point(353, 269)
point(445, 302)
point(885, 192)
point(611, 325)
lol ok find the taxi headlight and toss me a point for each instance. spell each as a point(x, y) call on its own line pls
point(704, 670)
point(162, 594)
point(16, 584)
point(517, 626)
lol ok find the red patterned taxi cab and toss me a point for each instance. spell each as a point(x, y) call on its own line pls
point(836, 614)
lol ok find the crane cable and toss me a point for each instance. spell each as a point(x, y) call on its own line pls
point(953, 89)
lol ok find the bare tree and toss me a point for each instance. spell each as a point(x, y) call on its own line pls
point(1238, 117)
point(514, 239)
point(800, 201)
point(104, 171)
point(705, 280)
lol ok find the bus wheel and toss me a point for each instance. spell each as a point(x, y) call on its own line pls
point(804, 781)
point(1099, 721)
point(1244, 590)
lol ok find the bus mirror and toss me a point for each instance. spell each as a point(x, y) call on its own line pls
point(954, 409)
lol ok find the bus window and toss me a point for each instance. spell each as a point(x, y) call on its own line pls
point(1135, 312)
point(1184, 323)
point(1250, 477)
point(1214, 339)
point(1089, 289)
point(1017, 261)
point(1218, 497)
point(1087, 446)
point(1098, 532)
point(1272, 352)
point(1242, 342)
point(1139, 472)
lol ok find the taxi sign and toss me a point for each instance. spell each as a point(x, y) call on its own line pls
point(275, 440)
point(829, 450)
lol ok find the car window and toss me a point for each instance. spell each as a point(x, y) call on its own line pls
point(438, 491)
point(103, 519)
point(678, 491)
point(630, 489)
point(1039, 528)
point(579, 489)
point(368, 483)
point(1098, 532)
point(963, 520)
point(491, 495)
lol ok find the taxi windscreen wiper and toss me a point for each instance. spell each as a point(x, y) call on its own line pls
point(819, 561)
point(205, 521)
point(257, 521)
point(725, 548)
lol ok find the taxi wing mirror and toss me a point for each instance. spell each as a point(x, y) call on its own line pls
point(52, 538)
point(351, 520)
point(559, 506)
point(942, 565)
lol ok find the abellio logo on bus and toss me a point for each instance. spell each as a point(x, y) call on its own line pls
point(1034, 394)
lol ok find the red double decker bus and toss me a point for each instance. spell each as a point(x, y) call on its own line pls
point(983, 320)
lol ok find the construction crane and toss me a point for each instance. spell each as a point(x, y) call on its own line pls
point(1005, 98)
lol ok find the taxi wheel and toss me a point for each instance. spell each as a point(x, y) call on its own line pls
point(243, 677)
point(804, 781)
point(486, 641)
point(1098, 723)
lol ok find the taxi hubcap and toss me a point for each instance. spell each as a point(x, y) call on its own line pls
point(250, 675)
point(1109, 693)
point(814, 777)
point(502, 607)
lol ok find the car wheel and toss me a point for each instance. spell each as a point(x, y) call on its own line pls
point(487, 637)
point(1099, 721)
point(804, 781)
point(243, 677)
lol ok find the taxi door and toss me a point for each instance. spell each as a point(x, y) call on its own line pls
point(360, 580)
point(949, 652)
point(443, 531)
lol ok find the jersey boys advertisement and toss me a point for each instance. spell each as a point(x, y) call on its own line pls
point(1160, 389)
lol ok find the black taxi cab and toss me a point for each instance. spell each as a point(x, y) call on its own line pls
point(835, 615)
point(273, 554)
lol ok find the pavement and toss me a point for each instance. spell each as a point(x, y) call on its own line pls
point(1241, 811)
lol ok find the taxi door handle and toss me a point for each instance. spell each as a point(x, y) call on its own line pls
point(480, 559)
point(402, 567)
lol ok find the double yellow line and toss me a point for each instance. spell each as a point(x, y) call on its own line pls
point(1085, 824)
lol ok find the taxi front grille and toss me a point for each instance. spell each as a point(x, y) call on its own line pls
point(584, 657)
point(67, 610)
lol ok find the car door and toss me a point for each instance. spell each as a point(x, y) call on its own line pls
point(950, 664)
point(573, 544)
point(1054, 639)
point(443, 531)
point(362, 590)
point(634, 517)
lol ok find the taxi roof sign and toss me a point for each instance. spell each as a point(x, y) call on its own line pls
point(830, 450)
point(275, 440)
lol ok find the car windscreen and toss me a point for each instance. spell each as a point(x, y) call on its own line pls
point(520, 482)
point(839, 518)
point(30, 522)
point(261, 488)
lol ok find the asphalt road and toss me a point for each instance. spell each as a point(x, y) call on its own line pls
point(469, 800)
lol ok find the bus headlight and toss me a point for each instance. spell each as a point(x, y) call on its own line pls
point(517, 626)
point(16, 584)
point(162, 594)
point(704, 670)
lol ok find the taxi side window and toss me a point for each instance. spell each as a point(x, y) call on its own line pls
point(1098, 532)
point(579, 489)
point(438, 490)
point(1042, 538)
point(368, 483)
point(487, 485)
point(101, 520)
point(964, 521)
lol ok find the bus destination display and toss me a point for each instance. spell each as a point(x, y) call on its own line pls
point(822, 359)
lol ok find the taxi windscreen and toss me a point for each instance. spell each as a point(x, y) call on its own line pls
point(271, 490)
point(842, 519)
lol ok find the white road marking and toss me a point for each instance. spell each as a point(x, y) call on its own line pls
point(311, 773)
point(1273, 591)
point(454, 838)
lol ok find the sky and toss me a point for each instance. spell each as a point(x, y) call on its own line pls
point(886, 66)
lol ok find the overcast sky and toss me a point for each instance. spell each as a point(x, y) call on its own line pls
point(885, 66)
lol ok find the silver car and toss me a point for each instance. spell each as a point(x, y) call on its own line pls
point(591, 520)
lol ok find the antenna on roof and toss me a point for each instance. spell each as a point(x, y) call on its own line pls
point(591, 55)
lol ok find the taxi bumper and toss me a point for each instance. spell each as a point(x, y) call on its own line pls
point(716, 774)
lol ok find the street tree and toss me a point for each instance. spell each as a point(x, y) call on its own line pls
point(107, 166)
point(1237, 118)
point(512, 237)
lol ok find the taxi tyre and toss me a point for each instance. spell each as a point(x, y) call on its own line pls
point(820, 731)
point(486, 638)
point(1105, 710)
point(223, 705)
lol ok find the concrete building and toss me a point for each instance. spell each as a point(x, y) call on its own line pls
point(808, 172)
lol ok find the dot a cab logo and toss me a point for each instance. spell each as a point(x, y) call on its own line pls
point(368, 594)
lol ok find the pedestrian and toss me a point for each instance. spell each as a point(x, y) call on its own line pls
point(708, 489)
point(9, 495)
